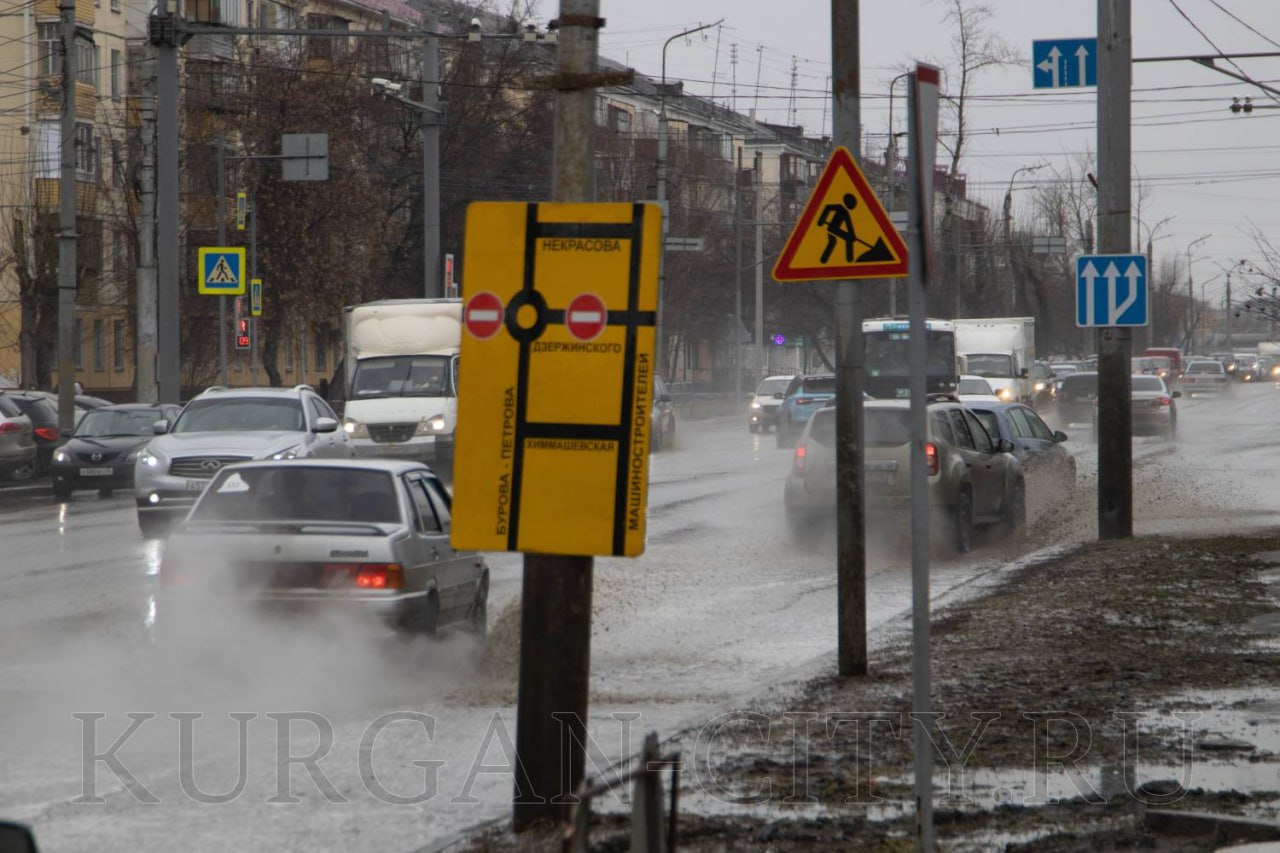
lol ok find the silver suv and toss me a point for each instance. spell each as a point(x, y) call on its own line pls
point(973, 480)
point(226, 425)
point(17, 441)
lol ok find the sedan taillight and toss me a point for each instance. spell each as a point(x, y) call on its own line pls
point(47, 433)
point(931, 457)
point(797, 461)
point(1166, 401)
point(364, 575)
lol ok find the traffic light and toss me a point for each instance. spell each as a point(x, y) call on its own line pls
point(242, 325)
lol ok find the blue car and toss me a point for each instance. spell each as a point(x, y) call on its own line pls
point(1037, 447)
point(804, 396)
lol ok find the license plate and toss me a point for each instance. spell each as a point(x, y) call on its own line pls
point(96, 472)
point(196, 485)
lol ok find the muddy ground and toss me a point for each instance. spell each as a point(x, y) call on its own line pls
point(1083, 698)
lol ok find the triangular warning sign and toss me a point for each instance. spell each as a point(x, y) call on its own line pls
point(843, 232)
point(222, 273)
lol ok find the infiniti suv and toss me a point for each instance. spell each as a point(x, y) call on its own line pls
point(223, 426)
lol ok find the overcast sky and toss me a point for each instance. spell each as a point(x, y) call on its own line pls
point(1212, 171)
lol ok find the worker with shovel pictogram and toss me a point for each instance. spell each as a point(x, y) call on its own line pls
point(839, 224)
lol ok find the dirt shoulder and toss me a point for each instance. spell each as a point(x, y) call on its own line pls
point(1081, 698)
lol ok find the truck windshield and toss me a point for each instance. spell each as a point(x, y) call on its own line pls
point(995, 365)
point(402, 376)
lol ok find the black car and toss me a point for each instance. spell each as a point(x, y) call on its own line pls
point(44, 426)
point(1073, 398)
point(102, 451)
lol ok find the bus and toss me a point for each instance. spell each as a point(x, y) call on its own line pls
point(886, 346)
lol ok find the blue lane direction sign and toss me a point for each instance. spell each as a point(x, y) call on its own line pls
point(221, 270)
point(1064, 63)
point(1111, 290)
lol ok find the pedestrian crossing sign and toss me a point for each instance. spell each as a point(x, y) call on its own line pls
point(221, 270)
point(843, 232)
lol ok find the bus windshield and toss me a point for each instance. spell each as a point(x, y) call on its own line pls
point(888, 362)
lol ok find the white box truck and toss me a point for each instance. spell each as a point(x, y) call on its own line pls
point(397, 387)
point(1001, 350)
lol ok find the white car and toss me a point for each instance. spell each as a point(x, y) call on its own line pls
point(976, 389)
point(763, 411)
point(1204, 377)
point(223, 426)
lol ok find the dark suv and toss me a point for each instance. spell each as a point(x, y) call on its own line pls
point(973, 480)
point(1073, 398)
point(44, 428)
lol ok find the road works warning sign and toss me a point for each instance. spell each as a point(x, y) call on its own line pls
point(844, 231)
point(555, 385)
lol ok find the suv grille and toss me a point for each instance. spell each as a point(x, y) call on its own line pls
point(202, 467)
point(389, 433)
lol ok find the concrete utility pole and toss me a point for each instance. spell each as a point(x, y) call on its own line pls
point(433, 288)
point(165, 37)
point(144, 343)
point(737, 282)
point(757, 183)
point(1114, 343)
point(1191, 296)
point(555, 626)
point(851, 555)
point(67, 226)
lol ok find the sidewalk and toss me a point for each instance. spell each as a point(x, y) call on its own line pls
point(1122, 695)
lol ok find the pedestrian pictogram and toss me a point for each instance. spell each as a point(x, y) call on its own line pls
point(483, 315)
point(221, 270)
point(556, 386)
point(586, 316)
point(844, 231)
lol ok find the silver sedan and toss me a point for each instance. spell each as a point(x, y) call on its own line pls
point(317, 535)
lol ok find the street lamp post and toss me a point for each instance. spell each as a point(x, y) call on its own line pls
point(1151, 265)
point(1191, 295)
point(1010, 301)
point(658, 344)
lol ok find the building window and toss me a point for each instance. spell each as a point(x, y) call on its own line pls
point(99, 346)
point(87, 62)
point(115, 5)
point(322, 350)
point(115, 73)
point(117, 165)
point(117, 345)
point(86, 153)
point(79, 340)
point(50, 49)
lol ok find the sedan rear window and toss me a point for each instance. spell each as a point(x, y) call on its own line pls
point(882, 427)
point(1204, 367)
point(1147, 383)
point(1080, 383)
point(295, 492)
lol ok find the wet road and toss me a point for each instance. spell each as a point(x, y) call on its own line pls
point(720, 606)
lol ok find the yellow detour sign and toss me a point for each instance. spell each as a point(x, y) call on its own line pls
point(555, 385)
point(843, 232)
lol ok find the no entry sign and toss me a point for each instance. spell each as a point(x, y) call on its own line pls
point(586, 316)
point(483, 315)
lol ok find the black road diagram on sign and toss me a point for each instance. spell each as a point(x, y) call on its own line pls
point(554, 403)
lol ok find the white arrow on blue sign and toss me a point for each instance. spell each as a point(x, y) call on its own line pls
point(1064, 63)
point(1111, 290)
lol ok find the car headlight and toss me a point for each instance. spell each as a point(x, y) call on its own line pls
point(355, 428)
point(430, 426)
point(1005, 394)
point(290, 453)
point(61, 456)
point(1040, 386)
point(149, 459)
point(755, 405)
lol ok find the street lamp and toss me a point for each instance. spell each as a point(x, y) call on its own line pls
point(1008, 235)
point(1191, 295)
point(659, 349)
point(1151, 263)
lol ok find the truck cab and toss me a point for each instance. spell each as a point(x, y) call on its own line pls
point(397, 388)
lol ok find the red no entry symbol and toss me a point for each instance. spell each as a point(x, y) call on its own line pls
point(586, 316)
point(483, 315)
